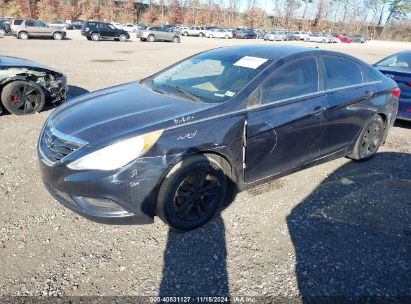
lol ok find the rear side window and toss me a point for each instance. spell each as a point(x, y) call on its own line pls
point(370, 74)
point(341, 73)
point(18, 22)
point(297, 78)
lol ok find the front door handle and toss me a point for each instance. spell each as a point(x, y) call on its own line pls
point(318, 110)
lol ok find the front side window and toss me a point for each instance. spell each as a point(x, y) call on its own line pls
point(209, 77)
point(297, 78)
point(341, 73)
point(39, 23)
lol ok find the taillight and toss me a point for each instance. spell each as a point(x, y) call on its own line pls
point(87, 29)
point(396, 92)
point(409, 83)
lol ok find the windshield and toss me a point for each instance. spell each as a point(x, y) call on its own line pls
point(209, 77)
point(398, 60)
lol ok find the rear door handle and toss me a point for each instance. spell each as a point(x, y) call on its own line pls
point(318, 110)
point(368, 94)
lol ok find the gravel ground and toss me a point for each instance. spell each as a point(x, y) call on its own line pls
point(338, 229)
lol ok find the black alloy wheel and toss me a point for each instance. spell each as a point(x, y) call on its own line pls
point(23, 97)
point(369, 140)
point(192, 193)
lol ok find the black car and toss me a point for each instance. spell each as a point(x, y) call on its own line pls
point(178, 143)
point(76, 24)
point(26, 86)
point(94, 30)
point(5, 27)
point(246, 34)
point(398, 67)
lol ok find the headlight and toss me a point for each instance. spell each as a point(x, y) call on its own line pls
point(116, 155)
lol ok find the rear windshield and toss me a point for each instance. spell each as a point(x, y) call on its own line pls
point(397, 60)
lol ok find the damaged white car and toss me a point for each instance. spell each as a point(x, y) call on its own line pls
point(26, 86)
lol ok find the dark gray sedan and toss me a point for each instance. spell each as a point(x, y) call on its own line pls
point(179, 143)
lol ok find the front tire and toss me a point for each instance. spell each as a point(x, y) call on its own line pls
point(23, 97)
point(95, 37)
point(150, 38)
point(122, 38)
point(192, 193)
point(2, 32)
point(369, 140)
point(23, 35)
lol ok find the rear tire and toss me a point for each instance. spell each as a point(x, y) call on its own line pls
point(192, 193)
point(201, 35)
point(57, 36)
point(23, 97)
point(2, 32)
point(150, 38)
point(122, 38)
point(369, 140)
point(176, 39)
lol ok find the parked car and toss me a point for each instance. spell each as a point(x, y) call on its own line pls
point(194, 31)
point(331, 38)
point(299, 35)
point(58, 24)
point(129, 27)
point(26, 86)
point(398, 68)
point(275, 36)
point(159, 33)
point(178, 144)
point(318, 37)
point(260, 33)
point(342, 38)
point(220, 33)
point(289, 36)
point(76, 24)
point(28, 28)
point(357, 38)
point(5, 27)
point(246, 34)
point(94, 30)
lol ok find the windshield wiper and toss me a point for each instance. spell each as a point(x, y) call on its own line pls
point(185, 92)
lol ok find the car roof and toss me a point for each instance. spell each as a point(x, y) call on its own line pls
point(407, 52)
point(276, 52)
point(272, 52)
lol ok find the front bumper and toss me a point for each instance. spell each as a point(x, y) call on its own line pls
point(133, 189)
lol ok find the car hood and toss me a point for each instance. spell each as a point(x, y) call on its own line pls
point(118, 111)
point(7, 61)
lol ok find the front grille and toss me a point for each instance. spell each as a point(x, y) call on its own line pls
point(55, 147)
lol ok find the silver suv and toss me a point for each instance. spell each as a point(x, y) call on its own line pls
point(26, 28)
point(158, 33)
